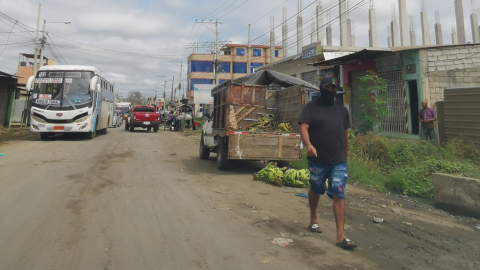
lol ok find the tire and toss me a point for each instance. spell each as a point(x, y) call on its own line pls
point(131, 128)
point(149, 128)
point(155, 129)
point(103, 131)
point(44, 136)
point(126, 125)
point(91, 135)
point(222, 154)
point(204, 152)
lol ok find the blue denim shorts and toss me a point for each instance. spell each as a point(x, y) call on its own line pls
point(337, 178)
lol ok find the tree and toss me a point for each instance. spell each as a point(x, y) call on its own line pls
point(135, 98)
point(372, 96)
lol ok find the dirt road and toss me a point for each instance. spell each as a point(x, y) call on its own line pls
point(145, 200)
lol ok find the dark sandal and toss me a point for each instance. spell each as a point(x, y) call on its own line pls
point(347, 244)
point(315, 228)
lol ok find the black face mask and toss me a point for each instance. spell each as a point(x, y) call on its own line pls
point(327, 97)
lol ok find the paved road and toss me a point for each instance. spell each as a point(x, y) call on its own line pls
point(144, 200)
point(120, 201)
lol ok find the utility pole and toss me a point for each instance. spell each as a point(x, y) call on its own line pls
point(215, 50)
point(249, 60)
point(36, 41)
point(156, 103)
point(171, 94)
point(165, 94)
point(180, 92)
point(42, 47)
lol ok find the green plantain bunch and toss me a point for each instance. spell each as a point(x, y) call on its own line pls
point(283, 176)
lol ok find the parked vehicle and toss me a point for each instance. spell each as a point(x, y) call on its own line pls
point(124, 107)
point(117, 118)
point(70, 99)
point(144, 116)
point(239, 103)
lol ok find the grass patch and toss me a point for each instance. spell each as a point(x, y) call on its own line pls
point(402, 166)
point(408, 166)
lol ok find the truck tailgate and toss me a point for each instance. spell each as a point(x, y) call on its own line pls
point(264, 147)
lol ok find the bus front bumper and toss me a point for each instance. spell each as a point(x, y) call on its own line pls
point(59, 128)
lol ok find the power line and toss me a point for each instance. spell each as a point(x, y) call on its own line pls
point(224, 8)
point(214, 10)
point(233, 9)
point(56, 49)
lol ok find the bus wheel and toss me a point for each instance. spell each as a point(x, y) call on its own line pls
point(91, 135)
point(44, 136)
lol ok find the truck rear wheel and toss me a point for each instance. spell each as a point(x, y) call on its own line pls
point(131, 128)
point(222, 154)
point(204, 152)
point(126, 125)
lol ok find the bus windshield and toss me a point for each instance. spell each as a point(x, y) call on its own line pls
point(63, 89)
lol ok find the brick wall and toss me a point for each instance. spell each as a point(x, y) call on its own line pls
point(452, 66)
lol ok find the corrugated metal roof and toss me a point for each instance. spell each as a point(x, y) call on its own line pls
point(363, 54)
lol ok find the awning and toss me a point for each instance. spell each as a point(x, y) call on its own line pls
point(267, 77)
point(363, 54)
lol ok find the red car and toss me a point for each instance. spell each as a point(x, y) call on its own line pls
point(143, 116)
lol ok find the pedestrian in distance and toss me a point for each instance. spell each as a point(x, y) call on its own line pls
point(324, 128)
point(170, 120)
point(427, 116)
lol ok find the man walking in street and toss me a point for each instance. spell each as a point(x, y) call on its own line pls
point(324, 128)
point(427, 116)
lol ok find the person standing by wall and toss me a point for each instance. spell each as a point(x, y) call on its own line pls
point(324, 128)
point(427, 116)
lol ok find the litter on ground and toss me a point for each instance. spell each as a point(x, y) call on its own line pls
point(281, 241)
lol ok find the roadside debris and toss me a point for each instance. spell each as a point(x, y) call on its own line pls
point(303, 195)
point(384, 206)
point(396, 211)
point(1, 155)
point(378, 220)
point(408, 223)
point(284, 242)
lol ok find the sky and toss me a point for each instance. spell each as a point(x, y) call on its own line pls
point(140, 44)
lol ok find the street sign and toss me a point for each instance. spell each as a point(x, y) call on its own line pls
point(312, 50)
point(202, 93)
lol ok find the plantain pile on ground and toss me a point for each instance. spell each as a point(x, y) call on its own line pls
point(283, 176)
point(268, 123)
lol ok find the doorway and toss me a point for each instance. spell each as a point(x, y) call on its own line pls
point(414, 105)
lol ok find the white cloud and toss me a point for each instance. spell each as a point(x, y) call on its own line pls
point(141, 37)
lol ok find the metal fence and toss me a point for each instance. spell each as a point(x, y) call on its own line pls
point(462, 113)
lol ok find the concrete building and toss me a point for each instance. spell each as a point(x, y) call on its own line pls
point(233, 62)
point(414, 74)
point(25, 67)
point(8, 87)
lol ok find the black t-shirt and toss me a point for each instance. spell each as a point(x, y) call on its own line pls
point(326, 126)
